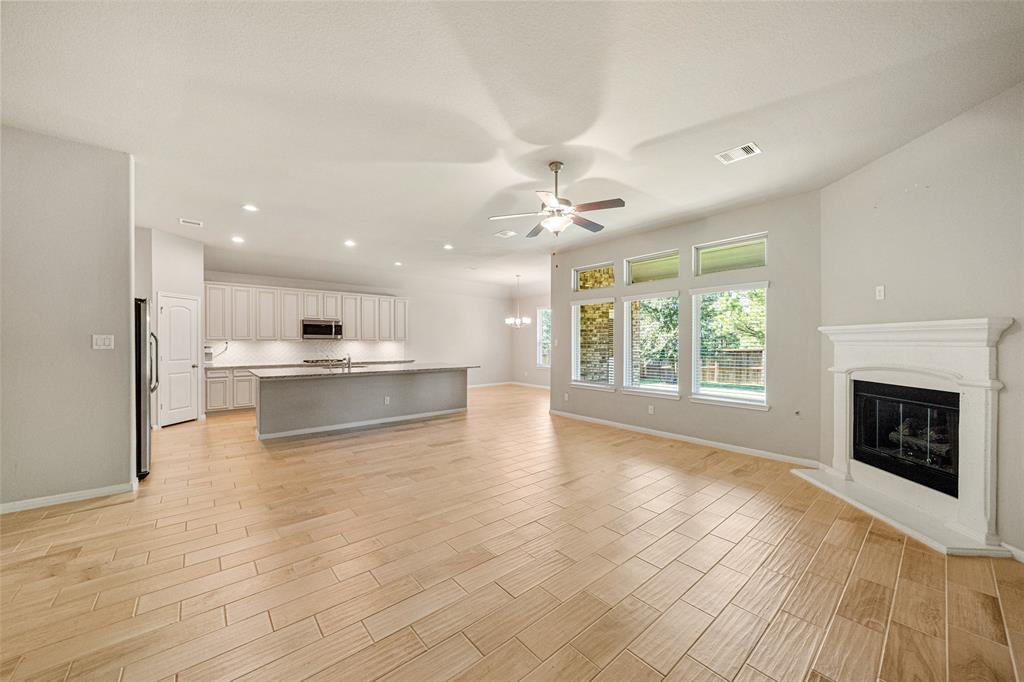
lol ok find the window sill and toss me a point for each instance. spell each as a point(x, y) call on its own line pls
point(728, 402)
point(592, 387)
point(652, 393)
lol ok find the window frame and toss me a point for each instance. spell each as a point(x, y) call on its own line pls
point(697, 248)
point(596, 266)
point(627, 265)
point(698, 396)
point(540, 364)
point(574, 349)
point(626, 326)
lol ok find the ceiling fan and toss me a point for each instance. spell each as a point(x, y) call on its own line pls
point(560, 212)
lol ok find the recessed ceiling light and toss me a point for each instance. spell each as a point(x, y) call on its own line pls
point(398, 263)
point(506, 234)
point(448, 247)
point(251, 208)
point(349, 243)
point(238, 240)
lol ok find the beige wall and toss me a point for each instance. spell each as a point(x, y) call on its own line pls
point(67, 274)
point(940, 223)
point(524, 344)
point(791, 426)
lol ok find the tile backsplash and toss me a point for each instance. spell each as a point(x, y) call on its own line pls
point(286, 352)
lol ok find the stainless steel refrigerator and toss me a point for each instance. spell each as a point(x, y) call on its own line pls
point(147, 379)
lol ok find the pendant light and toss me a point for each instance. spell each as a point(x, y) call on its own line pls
point(517, 321)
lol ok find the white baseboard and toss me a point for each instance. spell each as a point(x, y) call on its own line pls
point(49, 500)
point(351, 426)
point(523, 383)
point(510, 383)
point(812, 464)
point(1017, 552)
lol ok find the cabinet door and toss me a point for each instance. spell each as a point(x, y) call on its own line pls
point(401, 319)
point(266, 314)
point(218, 309)
point(311, 305)
point(291, 307)
point(367, 318)
point(332, 306)
point(386, 319)
point(244, 390)
point(350, 317)
point(218, 394)
point(241, 313)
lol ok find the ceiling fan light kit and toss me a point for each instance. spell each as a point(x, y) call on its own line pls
point(517, 321)
point(560, 213)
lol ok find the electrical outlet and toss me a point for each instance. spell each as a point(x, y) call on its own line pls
point(387, 400)
point(650, 409)
point(565, 397)
point(880, 292)
point(103, 342)
point(555, 342)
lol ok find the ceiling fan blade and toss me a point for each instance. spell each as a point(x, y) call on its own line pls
point(598, 205)
point(516, 215)
point(535, 231)
point(587, 224)
point(549, 199)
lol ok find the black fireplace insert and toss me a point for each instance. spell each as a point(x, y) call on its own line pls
point(909, 432)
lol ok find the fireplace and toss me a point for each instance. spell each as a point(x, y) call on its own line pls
point(910, 432)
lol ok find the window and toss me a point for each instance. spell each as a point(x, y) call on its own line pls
point(651, 343)
point(729, 337)
point(732, 254)
point(543, 337)
point(593, 277)
point(593, 343)
point(652, 268)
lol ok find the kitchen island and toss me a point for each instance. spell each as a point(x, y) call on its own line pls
point(292, 401)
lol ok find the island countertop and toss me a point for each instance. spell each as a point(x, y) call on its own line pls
point(277, 373)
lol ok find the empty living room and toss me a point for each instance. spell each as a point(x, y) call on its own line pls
point(498, 341)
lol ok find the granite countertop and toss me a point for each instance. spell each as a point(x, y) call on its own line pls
point(214, 365)
point(325, 372)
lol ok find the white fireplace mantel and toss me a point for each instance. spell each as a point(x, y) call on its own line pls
point(946, 355)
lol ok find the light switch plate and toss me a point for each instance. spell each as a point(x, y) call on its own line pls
point(103, 342)
point(880, 292)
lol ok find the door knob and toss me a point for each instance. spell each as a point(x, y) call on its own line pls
point(195, 366)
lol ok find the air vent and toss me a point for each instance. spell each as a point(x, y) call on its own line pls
point(190, 222)
point(738, 153)
point(506, 234)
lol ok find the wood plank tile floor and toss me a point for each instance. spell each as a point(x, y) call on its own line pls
point(503, 544)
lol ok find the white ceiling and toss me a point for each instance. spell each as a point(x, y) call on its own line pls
point(403, 126)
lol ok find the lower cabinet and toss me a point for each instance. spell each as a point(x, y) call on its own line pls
point(228, 389)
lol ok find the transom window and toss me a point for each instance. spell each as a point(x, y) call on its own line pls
point(731, 254)
point(729, 332)
point(593, 277)
point(593, 343)
point(652, 268)
point(543, 337)
point(651, 343)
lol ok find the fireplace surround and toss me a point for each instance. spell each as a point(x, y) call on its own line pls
point(941, 370)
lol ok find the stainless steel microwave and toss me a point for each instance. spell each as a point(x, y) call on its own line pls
point(321, 329)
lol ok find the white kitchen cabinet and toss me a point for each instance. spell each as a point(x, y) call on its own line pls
point(312, 305)
point(386, 318)
point(218, 312)
point(291, 319)
point(218, 390)
point(368, 317)
point(266, 314)
point(331, 306)
point(401, 319)
point(350, 317)
point(243, 389)
point(241, 313)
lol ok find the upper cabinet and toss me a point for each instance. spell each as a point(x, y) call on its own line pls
point(266, 314)
point(234, 312)
point(218, 312)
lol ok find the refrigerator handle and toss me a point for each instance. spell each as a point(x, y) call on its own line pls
point(154, 364)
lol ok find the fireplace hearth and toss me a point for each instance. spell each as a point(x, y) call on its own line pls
point(910, 432)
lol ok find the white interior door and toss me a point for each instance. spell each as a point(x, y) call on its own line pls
point(179, 358)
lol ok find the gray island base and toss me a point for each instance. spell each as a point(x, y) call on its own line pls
point(301, 400)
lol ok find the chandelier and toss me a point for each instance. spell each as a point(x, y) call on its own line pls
point(517, 321)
